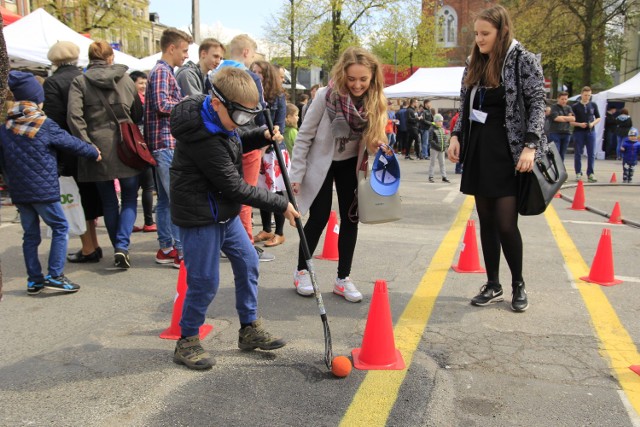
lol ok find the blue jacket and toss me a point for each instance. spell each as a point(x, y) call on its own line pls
point(31, 165)
point(631, 150)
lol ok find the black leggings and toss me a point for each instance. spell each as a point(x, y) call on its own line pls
point(343, 173)
point(147, 184)
point(499, 229)
point(265, 216)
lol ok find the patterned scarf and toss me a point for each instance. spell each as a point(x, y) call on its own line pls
point(25, 118)
point(348, 120)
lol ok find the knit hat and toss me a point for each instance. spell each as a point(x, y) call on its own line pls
point(25, 87)
point(438, 118)
point(633, 132)
point(63, 53)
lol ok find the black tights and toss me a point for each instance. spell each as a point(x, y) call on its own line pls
point(499, 229)
point(343, 174)
point(265, 216)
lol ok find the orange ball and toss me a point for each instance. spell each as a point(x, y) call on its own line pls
point(341, 366)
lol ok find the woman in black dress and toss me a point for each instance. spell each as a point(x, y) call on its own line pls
point(490, 141)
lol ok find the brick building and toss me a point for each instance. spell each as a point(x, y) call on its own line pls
point(455, 29)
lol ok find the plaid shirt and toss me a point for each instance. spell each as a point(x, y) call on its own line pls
point(162, 94)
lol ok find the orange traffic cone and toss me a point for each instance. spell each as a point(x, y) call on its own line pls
point(173, 332)
point(602, 267)
point(557, 195)
point(330, 248)
point(378, 349)
point(616, 216)
point(469, 262)
point(635, 368)
point(613, 178)
point(578, 199)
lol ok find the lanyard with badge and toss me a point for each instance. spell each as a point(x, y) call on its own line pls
point(479, 115)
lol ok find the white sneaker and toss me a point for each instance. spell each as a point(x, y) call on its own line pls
point(345, 288)
point(302, 282)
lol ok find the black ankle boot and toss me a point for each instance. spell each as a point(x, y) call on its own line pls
point(519, 300)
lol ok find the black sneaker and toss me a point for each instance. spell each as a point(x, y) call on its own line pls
point(189, 352)
point(121, 260)
point(489, 293)
point(255, 336)
point(519, 300)
point(445, 179)
point(60, 283)
point(34, 288)
point(431, 179)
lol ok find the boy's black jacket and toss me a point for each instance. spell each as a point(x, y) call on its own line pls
point(206, 173)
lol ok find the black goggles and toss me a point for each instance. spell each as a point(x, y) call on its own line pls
point(239, 114)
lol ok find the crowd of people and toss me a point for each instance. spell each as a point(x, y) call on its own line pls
point(216, 160)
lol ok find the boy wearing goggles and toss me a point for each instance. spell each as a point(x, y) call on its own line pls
point(207, 191)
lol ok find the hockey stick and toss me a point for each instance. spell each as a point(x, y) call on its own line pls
point(328, 352)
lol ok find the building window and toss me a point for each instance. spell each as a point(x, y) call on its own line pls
point(447, 28)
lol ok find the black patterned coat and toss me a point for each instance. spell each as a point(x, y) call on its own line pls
point(532, 83)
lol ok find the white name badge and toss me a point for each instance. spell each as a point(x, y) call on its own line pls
point(478, 116)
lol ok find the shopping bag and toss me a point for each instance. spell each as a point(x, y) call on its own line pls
point(72, 205)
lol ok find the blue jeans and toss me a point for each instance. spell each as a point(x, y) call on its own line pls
point(618, 145)
point(424, 137)
point(582, 139)
point(52, 215)
point(119, 219)
point(562, 142)
point(391, 139)
point(202, 246)
point(168, 233)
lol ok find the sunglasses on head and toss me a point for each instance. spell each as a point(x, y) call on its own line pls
point(240, 115)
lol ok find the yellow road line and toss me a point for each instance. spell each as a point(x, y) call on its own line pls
point(615, 343)
point(378, 392)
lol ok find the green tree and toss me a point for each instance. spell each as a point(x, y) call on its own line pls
point(108, 19)
point(296, 22)
point(407, 37)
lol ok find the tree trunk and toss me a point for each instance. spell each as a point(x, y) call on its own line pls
point(292, 67)
point(587, 55)
point(336, 24)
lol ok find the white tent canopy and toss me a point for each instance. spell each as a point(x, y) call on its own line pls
point(626, 91)
point(28, 41)
point(429, 83)
point(148, 62)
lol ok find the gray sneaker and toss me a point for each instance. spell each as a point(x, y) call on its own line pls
point(255, 336)
point(264, 256)
point(190, 353)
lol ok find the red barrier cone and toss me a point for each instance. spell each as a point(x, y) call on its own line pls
point(602, 267)
point(616, 216)
point(173, 332)
point(378, 351)
point(578, 199)
point(613, 178)
point(330, 248)
point(635, 368)
point(469, 262)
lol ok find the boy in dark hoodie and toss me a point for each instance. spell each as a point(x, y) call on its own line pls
point(27, 153)
point(207, 192)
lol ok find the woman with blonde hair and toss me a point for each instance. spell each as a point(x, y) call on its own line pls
point(347, 118)
point(89, 120)
point(489, 140)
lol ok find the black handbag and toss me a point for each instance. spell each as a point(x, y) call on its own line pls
point(537, 188)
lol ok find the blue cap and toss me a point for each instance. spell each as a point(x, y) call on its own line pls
point(385, 174)
point(633, 132)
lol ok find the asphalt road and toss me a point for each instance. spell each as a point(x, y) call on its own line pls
point(95, 359)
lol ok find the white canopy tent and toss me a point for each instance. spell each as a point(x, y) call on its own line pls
point(28, 41)
point(148, 62)
point(429, 83)
point(626, 91)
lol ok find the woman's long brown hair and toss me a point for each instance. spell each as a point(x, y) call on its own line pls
point(375, 103)
point(483, 68)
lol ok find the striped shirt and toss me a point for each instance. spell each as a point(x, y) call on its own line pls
point(162, 94)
